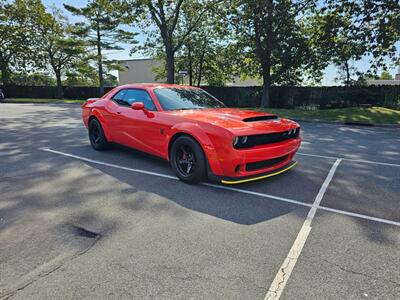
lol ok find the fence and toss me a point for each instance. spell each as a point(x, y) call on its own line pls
point(284, 97)
point(49, 92)
point(322, 97)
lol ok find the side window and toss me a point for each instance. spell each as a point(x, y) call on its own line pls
point(119, 97)
point(133, 95)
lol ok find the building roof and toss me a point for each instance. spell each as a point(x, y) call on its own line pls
point(155, 85)
point(135, 59)
point(383, 82)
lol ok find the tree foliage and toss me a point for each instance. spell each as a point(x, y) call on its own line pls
point(385, 75)
point(59, 48)
point(17, 32)
point(273, 41)
point(174, 22)
point(363, 29)
point(103, 30)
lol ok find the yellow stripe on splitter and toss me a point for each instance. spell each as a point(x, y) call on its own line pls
point(260, 177)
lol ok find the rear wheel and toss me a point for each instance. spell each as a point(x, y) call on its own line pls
point(188, 160)
point(96, 135)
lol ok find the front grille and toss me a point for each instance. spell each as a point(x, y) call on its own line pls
point(265, 163)
point(262, 139)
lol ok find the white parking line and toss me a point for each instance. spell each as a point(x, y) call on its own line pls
point(282, 199)
point(365, 217)
point(283, 275)
point(110, 165)
point(350, 159)
point(176, 178)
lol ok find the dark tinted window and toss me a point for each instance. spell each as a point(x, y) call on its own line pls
point(129, 96)
point(186, 98)
point(119, 97)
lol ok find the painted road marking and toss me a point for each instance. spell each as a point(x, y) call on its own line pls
point(350, 159)
point(283, 275)
point(282, 199)
point(174, 177)
point(110, 165)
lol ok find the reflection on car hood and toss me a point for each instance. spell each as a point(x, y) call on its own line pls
point(237, 120)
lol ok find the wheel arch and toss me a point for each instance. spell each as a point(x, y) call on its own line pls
point(176, 136)
point(96, 115)
point(202, 140)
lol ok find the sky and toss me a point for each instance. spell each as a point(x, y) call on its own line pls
point(329, 73)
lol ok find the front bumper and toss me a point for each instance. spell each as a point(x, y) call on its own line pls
point(243, 179)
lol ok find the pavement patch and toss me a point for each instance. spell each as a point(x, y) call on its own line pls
point(32, 247)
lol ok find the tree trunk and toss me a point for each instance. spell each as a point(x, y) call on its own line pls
point(190, 71)
point(346, 65)
point(100, 63)
point(170, 66)
point(4, 75)
point(266, 94)
point(200, 68)
point(264, 53)
point(60, 93)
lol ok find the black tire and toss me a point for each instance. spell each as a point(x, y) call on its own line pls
point(194, 156)
point(96, 136)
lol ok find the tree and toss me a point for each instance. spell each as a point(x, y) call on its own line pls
point(58, 47)
point(206, 53)
point(17, 34)
point(385, 75)
point(375, 24)
point(103, 30)
point(272, 41)
point(338, 41)
point(32, 79)
point(173, 30)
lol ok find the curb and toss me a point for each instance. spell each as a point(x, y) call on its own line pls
point(349, 123)
point(38, 102)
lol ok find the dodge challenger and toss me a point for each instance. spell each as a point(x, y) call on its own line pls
point(199, 136)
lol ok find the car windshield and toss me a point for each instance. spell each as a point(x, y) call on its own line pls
point(186, 98)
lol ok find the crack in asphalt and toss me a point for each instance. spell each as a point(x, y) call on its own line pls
point(278, 287)
point(344, 269)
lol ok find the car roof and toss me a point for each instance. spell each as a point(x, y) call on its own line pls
point(155, 85)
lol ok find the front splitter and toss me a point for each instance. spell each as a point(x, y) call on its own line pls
point(237, 180)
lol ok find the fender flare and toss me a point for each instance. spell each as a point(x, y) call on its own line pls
point(195, 131)
point(95, 113)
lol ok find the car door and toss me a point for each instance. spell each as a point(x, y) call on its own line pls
point(135, 128)
point(112, 115)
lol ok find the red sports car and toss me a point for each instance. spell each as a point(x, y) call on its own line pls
point(195, 132)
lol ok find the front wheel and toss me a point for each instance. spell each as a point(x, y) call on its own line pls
point(188, 160)
point(97, 137)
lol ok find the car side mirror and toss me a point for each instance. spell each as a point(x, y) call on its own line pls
point(138, 106)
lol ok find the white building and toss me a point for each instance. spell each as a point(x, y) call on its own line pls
point(142, 70)
point(139, 70)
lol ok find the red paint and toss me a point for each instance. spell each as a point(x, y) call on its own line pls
point(214, 129)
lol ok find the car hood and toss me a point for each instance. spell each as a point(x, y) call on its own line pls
point(238, 121)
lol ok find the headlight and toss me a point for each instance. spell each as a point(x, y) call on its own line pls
point(239, 141)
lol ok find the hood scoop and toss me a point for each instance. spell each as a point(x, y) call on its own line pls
point(261, 118)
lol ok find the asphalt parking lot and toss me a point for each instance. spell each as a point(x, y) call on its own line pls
point(76, 223)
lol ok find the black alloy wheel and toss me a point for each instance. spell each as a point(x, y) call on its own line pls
point(188, 160)
point(96, 135)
